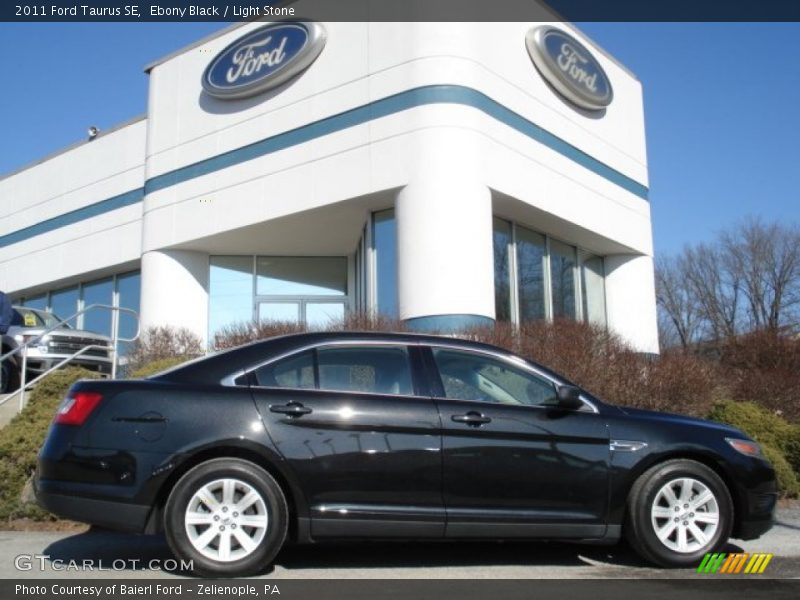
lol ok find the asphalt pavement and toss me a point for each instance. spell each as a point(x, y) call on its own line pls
point(98, 554)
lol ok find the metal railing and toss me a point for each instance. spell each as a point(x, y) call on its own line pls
point(35, 341)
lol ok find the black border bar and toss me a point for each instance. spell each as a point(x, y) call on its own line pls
point(402, 10)
point(720, 588)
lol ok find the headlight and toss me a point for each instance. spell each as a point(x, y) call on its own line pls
point(746, 447)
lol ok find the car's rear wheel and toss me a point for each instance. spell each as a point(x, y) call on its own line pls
point(677, 512)
point(228, 516)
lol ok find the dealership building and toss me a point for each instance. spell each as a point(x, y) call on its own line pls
point(446, 174)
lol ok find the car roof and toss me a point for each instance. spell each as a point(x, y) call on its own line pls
point(216, 367)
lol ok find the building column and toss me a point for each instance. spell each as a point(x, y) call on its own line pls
point(175, 290)
point(445, 258)
point(630, 300)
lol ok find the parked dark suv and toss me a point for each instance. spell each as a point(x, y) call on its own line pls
point(324, 436)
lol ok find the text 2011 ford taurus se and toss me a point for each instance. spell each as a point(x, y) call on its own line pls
point(361, 435)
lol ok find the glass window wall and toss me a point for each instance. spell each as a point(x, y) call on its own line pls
point(230, 292)
point(562, 277)
point(502, 269)
point(593, 289)
point(537, 277)
point(296, 289)
point(98, 292)
point(384, 239)
point(64, 303)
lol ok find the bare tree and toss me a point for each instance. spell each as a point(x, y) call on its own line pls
point(715, 288)
point(766, 257)
point(679, 319)
point(747, 279)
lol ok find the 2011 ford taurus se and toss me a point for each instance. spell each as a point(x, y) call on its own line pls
point(324, 436)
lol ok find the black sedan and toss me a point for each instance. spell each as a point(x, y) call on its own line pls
point(322, 436)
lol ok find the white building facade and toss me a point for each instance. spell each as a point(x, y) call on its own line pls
point(445, 174)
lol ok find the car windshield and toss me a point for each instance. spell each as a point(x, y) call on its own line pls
point(29, 317)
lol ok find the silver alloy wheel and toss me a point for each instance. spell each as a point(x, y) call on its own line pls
point(226, 519)
point(685, 515)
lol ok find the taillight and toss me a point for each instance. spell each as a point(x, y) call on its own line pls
point(77, 407)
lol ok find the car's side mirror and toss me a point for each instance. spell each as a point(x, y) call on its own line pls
point(569, 396)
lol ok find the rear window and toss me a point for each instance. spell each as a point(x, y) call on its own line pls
point(365, 369)
point(377, 370)
point(296, 371)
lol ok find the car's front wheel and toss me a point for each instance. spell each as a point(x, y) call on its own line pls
point(677, 512)
point(228, 517)
point(9, 378)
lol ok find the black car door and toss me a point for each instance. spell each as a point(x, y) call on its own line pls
point(514, 464)
point(362, 441)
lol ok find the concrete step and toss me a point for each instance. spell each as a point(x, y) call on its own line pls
point(9, 407)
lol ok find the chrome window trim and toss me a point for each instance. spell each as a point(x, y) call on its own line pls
point(318, 345)
point(511, 359)
point(229, 380)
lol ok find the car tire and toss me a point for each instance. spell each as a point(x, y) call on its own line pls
point(10, 376)
point(678, 511)
point(228, 517)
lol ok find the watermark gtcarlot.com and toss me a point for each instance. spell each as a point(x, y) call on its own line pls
point(44, 562)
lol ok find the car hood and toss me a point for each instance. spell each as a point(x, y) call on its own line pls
point(682, 420)
point(61, 333)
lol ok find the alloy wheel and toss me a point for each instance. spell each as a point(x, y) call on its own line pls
point(226, 519)
point(685, 515)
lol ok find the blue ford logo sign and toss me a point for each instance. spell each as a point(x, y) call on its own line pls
point(263, 59)
point(569, 67)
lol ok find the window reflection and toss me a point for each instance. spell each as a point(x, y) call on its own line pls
point(230, 291)
point(286, 312)
point(530, 264)
point(129, 287)
point(385, 242)
point(37, 302)
point(64, 303)
point(98, 292)
point(301, 276)
point(594, 292)
point(502, 272)
point(296, 289)
point(537, 278)
point(562, 274)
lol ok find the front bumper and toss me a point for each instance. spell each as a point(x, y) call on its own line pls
point(39, 364)
point(61, 499)
point(758, 514)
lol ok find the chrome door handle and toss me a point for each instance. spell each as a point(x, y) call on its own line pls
point(293, 409)
point(472, 418)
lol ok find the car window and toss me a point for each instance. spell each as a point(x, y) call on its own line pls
point(27, 317)
point(471, 376)
point(371, 369)
point(296, 371)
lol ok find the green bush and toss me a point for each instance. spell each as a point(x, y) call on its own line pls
point(779, 439)
point(21, 439)
point(763, 426)
point(157, 366)
point(788, 484)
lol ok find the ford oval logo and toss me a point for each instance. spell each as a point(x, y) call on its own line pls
point(263, 59)
point(569, 67)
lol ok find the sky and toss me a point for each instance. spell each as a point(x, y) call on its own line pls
point(722, 107)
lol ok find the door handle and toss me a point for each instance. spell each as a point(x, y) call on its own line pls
point(472, 418)
point(293, 409)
